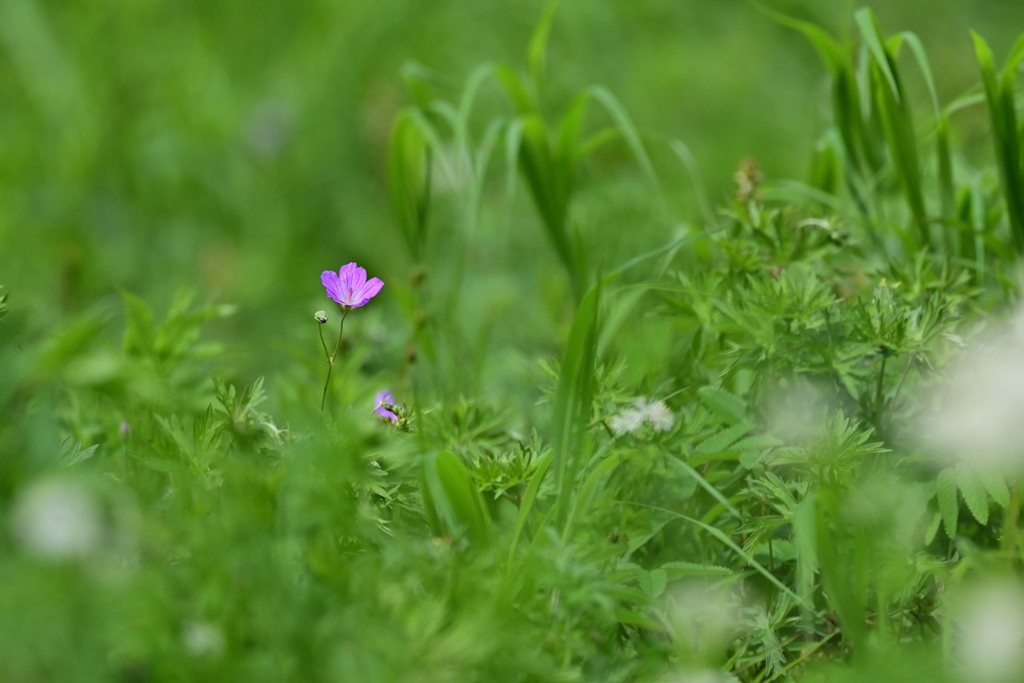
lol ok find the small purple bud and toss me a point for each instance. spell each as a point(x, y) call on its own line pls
point(125, 428)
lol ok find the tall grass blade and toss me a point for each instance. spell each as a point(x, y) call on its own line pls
point(896, 116)
point(526, 506)
point(686, 156)
point(861, 159)
point(535, 53)
point(457, 497)
point(573, 400)
point(410, 180)
point(999, 94)
point(588, 491)
point(626, 127)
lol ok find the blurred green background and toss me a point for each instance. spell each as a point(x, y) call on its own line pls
point(241, 148)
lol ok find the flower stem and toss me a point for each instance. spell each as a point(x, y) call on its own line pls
point(323, 399)
point(330, 360)
point(320, 329)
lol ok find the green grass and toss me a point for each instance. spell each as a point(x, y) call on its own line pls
point(652, 427)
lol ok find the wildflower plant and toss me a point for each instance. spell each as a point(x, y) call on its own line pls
point(350, 289)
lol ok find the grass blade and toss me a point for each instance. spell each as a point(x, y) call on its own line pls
point(573, 399)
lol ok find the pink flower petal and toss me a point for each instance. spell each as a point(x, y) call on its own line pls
point(330, 281)
point(368, 291)
point(345, 274)
point(358, 278)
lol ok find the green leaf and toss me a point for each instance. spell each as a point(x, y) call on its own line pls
point(721, 441)
point(840, 580)
point(526, 507)
point(686, 156)
point(873, 39)
point(757, 442)
point(574, 400)
point(974, 493)
point(704, 484)
point(723, 404)
point(410, 178)
point(652, 583)
point(140, 332)
point(538, 43)
point(754, 564)
point(805, 541)
point(999, 95)
point(464, 503)
point(72, 454)
point(995, 485)
point(948, 504)
point(750, 457)
point(625, 125)
point(587, 493)
point(676, 569)
point(627, 617)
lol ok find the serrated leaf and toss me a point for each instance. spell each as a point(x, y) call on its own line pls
point(757, 442)
point(693, 569)
point(749, 458)
point(946, 495)
point(974, 493)
point(723, 404)
point(721, 441)
point(995, 485)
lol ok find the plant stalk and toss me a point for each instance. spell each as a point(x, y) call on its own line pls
point(1011, 524)
point(331, 359)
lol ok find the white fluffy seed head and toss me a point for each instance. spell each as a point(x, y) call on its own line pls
point(657, 415)
point(627, 422)
point(653, 414)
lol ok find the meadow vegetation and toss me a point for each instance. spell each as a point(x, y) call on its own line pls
point(761, 434)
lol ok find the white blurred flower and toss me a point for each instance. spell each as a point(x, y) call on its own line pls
point(657, 415)
point(627, 421)
point(58, 520)
point(991, 634)
point(201, 639)
point(654, 414)
point(980, 418)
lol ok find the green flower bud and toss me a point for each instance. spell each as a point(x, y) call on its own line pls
point(321, 317)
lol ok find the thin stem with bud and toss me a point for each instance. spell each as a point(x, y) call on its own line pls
point(331, 358)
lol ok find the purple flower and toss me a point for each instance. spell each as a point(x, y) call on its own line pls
point(384, 399)
point(349, 286)
point(125, 428)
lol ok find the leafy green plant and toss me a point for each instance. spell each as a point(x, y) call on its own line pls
point(1000, 94)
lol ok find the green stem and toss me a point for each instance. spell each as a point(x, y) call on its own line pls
point(1011, 524)
point(331, 359)
point(320, 329)
point(878, 395)
point(323, 399)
